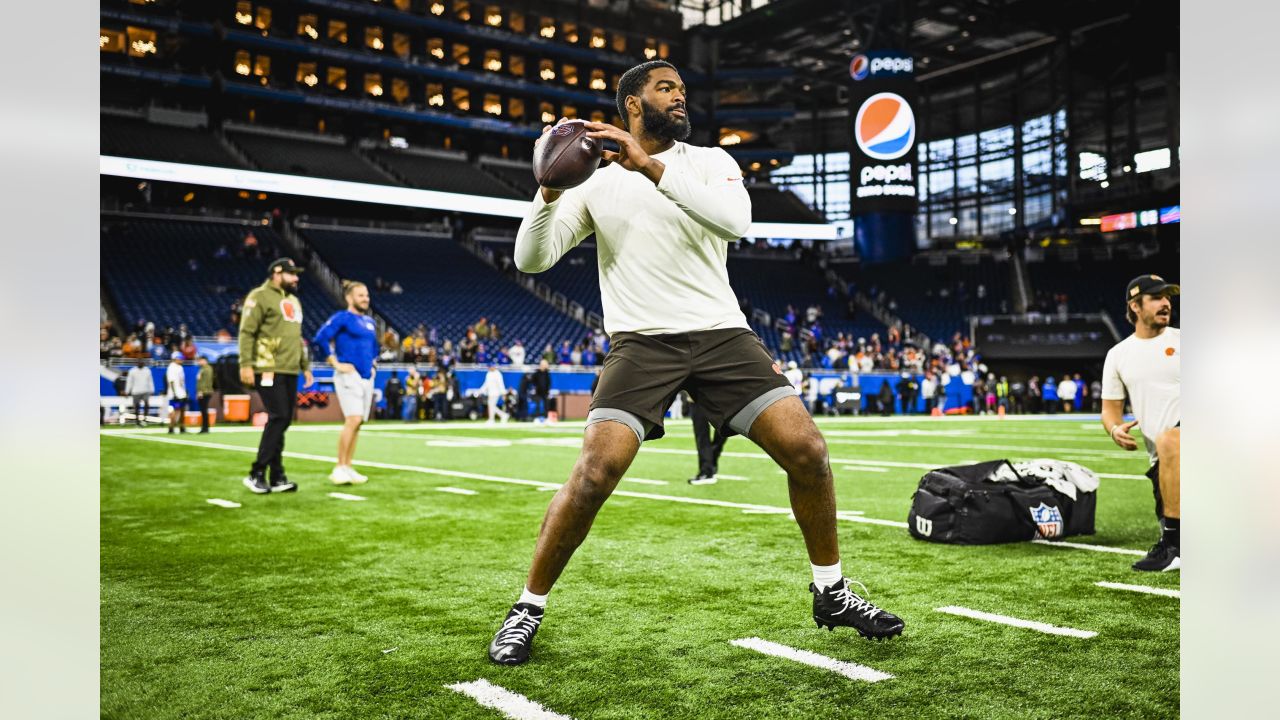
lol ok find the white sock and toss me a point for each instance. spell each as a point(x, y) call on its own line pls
point(824, 576)
point(528, 597)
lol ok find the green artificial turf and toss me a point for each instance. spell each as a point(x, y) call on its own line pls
point(306, 606)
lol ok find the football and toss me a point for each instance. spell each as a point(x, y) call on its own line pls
point(566, 157)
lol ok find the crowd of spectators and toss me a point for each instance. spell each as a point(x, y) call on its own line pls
point(484, 343)
point(145, 342)
point(436, 395)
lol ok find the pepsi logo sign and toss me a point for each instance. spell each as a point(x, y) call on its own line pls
point(859, 67)
point(885, 126)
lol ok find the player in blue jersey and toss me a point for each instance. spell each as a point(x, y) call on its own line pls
point(349, 339)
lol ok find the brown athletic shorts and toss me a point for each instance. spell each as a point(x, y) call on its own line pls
point(728, 372)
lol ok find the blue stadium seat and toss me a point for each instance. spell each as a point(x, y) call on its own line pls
point(145, 267)
point(445, 287)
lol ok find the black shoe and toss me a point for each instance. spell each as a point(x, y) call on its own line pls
point(257, 483)
point(170, 431)
point(838, 605)
point(204, 431)
point(701, 479)
point(1162, 558)
point(281, 483)
point(515, 638)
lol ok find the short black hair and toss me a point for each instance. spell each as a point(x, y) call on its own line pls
point(632, 82)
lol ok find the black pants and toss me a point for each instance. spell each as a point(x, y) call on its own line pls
point(204, 411)
point(280, 400)
point(141, 408)
point(708, 448)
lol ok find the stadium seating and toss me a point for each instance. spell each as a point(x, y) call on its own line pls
point(136, 138)
point(1096, 284)
point(445, 286)
point(295, 154)
point(146, 268)
point(772, 284)
point(916, 288)
point(430, 172)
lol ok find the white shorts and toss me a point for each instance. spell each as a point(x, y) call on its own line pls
point(355, 394)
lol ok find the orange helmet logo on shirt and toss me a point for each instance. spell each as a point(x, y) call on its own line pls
point(290, 310)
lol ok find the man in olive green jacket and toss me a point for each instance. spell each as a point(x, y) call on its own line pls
point(204, 391)
point(272, 353)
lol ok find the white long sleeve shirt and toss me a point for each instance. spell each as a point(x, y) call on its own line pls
point(139, 382)
point(662, 248)
point(494, 386)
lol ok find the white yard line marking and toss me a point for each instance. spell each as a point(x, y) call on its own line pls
point(1141, 588)
point(851, 670)
point(344, 496)
point(1016, 622)
point(362, 463)
point(223, 503)
point(731, 477)
point(549, 486)
point(510, 704)
point(457, 491)
point(1083, 546)
point(645, 481)
point(864, 468)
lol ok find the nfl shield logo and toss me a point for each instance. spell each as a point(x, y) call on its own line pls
point(1048, 521)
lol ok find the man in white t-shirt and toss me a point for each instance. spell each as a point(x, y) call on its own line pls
point(1147, 367)
point(664, 213)
point(495, 389)
point(175, 383)
point(1067, 394)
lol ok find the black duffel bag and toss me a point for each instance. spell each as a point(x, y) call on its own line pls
point(962, 505)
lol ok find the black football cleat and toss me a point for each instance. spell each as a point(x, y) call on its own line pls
point(281, 483)
point(257, 483)
point(514, 640)
point(1163, 557)
point(838, 605)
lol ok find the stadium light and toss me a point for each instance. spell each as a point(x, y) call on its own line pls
point(954, 220)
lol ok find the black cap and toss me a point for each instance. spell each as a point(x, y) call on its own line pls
point(1149, 285)
point(283, 264)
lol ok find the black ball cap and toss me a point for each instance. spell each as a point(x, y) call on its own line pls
point(283, 264)
point(1150, 285)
